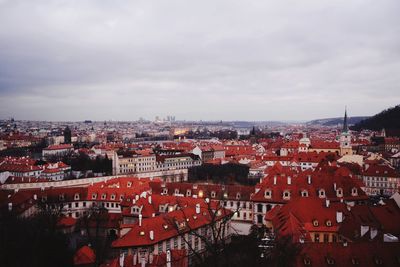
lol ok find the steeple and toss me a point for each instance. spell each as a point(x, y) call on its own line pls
point(345, 125)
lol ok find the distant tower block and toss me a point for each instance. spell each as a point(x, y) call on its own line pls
point(345, 138)
point(67, 135)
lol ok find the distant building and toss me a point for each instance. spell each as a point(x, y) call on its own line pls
point(67, 135)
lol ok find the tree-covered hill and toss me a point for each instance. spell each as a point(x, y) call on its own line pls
point(387, 119)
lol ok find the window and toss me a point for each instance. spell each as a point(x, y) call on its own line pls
point(315, 223)
point(84, 204)
point(321, 193)
point(238, 196)
point(354, 191)
point(267, 193)
point(94, 196)
point(316, 238)
point(259, 208)
point(188, 193)
point(76, 197)
point(307, 261)
point(112, 197)
point(103, 196)
point(328, 223)
point(76, 204)
point(213, 194)
point(304, 193)
point(160, 247)
point(339, 192)
point(326, 238)
point(286, 195)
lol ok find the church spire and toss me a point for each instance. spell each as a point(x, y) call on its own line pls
point(345, 125)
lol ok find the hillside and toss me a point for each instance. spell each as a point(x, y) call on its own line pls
point(336, 121)
point(388, 119)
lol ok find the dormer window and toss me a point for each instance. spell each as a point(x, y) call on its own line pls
point(176, 191)
point(113, 197)
point(330, 261)
point(321, 193)
point(339, 192)
point(129, 184)
point(286, 194)
point(238, 196)
point(76, 196)
point(268, 193)
point(304, 193)
point(354, 191)
point(213, 194)
point(328, 223)
point(315, 223)
point(94, 196)
point(165, 191)
point(103, 196)
point(188, 193)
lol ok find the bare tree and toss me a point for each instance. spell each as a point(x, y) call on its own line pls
point(214, 236)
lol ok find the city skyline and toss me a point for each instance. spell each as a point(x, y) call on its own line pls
point(75, 60)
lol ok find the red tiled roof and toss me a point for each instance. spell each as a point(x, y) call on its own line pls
point(84, 255)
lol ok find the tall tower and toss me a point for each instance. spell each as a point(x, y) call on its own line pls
point(67, 135)
point(345, 138)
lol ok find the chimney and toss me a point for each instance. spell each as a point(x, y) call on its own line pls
point(151, 235)
point(289, 180)
point(140, 219)
point(334, 186)
point(10, 206)
point(275, 180)
point(327, 203)
point(149, 198)
point(197, 208)
point(121, 260)
point(339, 216)
point(309, 179)
point(168, 258)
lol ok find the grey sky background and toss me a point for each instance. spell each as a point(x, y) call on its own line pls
point(209, 60)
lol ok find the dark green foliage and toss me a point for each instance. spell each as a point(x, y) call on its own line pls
point(32, 242)
point(226, 173)
point(388, 119)
point(82, 162)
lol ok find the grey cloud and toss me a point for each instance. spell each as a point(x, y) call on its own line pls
point(253, 60)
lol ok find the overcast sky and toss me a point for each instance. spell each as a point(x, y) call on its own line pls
point(208, 59)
